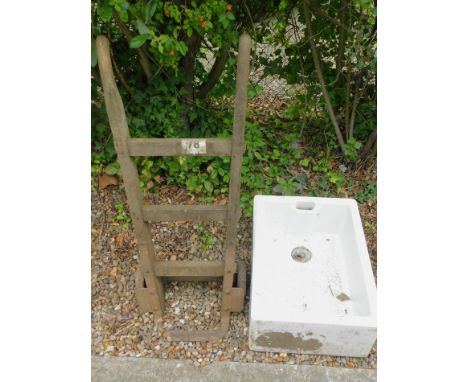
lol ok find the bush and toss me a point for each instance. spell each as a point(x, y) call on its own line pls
point(174, 64)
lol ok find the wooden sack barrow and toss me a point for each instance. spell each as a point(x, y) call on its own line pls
point(151, 273)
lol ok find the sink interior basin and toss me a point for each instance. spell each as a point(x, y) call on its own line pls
point(311, 277)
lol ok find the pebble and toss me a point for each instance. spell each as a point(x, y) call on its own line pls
point(118, 329)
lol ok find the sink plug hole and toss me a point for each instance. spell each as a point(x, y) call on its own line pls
point(301, 254)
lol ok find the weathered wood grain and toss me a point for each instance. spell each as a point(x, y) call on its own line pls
point(243, 69)
point(158, 213)
point(120, 133)
point(173, 146)
point(189, 268)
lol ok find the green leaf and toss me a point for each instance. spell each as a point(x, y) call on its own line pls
point(150, 9)
point(192, 115)
point(138, 41)
point(142, 28)
point(182, 48)
point(112, 168)
point(105, 11)
point(160, 48)
point(334, 178)
point(93, 53)
point(224, 21)
point(208, 186)
point(304, 162)
point(123, 15)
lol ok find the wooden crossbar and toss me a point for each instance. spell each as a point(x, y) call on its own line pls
point(149, 277)
point(179, 146)
point(189, 268)
point(159, 213)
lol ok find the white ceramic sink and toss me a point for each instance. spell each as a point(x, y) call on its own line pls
point(312, 288)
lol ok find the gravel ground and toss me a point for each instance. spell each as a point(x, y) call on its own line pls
point(119, 330)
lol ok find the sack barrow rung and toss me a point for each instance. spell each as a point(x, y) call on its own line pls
point(151, 273)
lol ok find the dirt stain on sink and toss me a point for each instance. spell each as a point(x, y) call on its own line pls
point(287, 341)
point(343, 297)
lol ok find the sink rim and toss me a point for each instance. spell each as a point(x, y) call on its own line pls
point(365, 321)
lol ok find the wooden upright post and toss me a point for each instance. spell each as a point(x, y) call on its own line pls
point(242, 79)
point(121, 135)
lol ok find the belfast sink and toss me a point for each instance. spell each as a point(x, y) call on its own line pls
point(312, 287)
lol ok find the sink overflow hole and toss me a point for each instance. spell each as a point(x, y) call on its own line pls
point(308, 206)
point(301, 254)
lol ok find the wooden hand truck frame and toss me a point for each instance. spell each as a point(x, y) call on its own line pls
point(151, 273)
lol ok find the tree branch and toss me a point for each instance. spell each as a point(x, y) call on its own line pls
point(326, 16)
point(316, 60)
point(95, 74)
point(119, 73)
point(144, 62)
point(215, 73)
point(372, 34)
point(356, 100)
point(187, 66)
point(369, 144)
point(341, 37)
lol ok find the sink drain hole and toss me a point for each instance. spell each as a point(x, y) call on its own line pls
point(301, 254)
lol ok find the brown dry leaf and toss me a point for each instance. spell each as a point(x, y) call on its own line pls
point(179, 195)
point(120, 238)
point(107, 180)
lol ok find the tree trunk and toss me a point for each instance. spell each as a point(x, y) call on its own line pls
point(369, 144)
point(144, 62)
point(214, 74)
point(187, 67)
point(316, 60)
point(358, 93)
